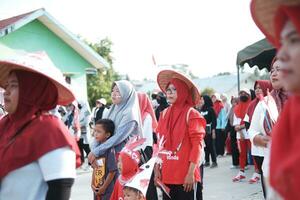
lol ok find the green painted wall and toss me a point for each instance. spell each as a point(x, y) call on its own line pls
point(36, 37)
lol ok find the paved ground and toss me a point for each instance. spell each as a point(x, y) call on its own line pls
point(217, 184)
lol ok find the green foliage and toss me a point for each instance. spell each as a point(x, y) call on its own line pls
point(99, 85)
point(208, 91)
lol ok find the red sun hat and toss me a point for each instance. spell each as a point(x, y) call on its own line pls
point(264, 14)
point(165, 76)
point(39, 63)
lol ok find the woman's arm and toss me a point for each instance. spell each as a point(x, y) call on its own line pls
point(196, 134)
point(119, 136)
point(196, 131)
point(59, 176)
point(59, 189)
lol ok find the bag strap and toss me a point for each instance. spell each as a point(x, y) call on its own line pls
point(188, 114)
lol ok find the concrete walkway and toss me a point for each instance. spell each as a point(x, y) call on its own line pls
point(218, 183)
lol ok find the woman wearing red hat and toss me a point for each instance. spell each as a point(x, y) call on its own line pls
point(184, 129)
point(280, 22)
point(37, 152)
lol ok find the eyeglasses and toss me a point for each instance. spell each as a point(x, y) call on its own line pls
point(171, 90)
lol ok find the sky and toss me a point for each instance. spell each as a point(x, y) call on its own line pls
point(205, 35)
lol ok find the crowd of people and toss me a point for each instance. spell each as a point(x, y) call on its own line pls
point(139, 147)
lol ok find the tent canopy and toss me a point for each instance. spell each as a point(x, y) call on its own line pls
point(259, 54)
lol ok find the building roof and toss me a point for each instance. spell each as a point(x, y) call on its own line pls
point(221, 84)
point(12, 24)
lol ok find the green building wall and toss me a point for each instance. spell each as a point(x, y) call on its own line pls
point(34, 36)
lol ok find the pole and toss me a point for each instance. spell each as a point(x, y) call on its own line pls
point(238, 78)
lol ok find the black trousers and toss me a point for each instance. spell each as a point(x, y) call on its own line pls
point(259, 160)
point(209, 148)
point(199, 193)
point(83, 147)
point(234, 146)
point(177, 193)
point(220, 142)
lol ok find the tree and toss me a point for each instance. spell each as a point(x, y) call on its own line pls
point(208, 91)
point(99, 85)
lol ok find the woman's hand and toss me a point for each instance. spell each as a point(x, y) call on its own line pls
point(237, 128)
point(261, 140)
point(189, 181)
point(95, 189)
point(101, 190)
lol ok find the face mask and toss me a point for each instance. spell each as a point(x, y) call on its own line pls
point(244, 98)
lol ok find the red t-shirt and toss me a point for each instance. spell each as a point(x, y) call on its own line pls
point(175, 167)
point(118, 191)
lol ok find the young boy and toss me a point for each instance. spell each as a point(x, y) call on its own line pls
point(103, 178)
point(131, 193)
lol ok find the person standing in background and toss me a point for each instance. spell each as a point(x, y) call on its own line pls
point(261, 88)
point(232, 133)
point(221, 124)
point(207, 111)
point(84, 119)
point(244, 143)
point(98, 110)
point(162, 104)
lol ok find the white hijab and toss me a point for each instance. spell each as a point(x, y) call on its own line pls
point(128, 110)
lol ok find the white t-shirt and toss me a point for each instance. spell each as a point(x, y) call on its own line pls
point(147, 131)
point(30, 181)
point(237, 121)
point(255, 150)
point(257, 126)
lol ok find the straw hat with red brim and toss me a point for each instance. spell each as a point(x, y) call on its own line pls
point(263, 13)
point(164, 77)
point(41, 64)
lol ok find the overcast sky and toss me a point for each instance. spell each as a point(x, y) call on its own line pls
point(206, 35)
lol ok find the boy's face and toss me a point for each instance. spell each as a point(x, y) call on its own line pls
point(131, 195)
point(100, 134)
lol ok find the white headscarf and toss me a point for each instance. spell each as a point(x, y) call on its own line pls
point(128, 110)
